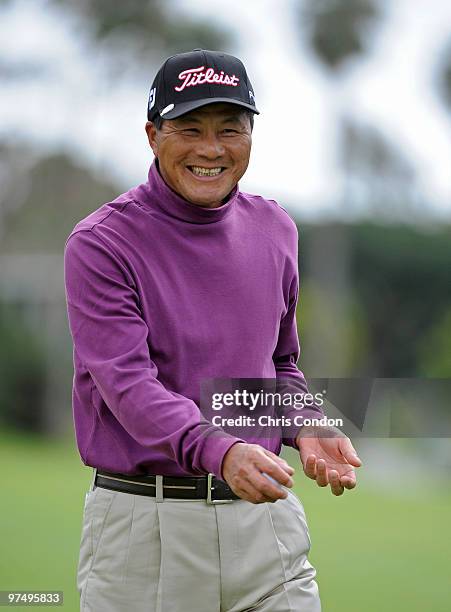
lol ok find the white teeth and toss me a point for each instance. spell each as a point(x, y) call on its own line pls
point(205, 171)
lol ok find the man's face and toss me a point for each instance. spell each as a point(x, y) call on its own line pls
point(203, 154)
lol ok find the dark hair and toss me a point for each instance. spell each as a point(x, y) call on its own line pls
point(158, 121)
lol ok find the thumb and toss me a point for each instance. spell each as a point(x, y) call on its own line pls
point(350, 454)
point(353, 459)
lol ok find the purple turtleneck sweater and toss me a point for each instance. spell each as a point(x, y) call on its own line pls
point(162, 295)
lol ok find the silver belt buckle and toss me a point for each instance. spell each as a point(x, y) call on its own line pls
point(210, 489)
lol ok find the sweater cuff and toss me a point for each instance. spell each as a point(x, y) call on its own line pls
point(214, 450)
point(290, 432)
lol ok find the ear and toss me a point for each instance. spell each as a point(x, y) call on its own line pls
point(151, 131)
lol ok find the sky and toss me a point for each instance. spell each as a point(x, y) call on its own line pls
point(73, 107)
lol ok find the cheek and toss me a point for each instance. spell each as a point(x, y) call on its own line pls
point(241, 156)
point(174, 163)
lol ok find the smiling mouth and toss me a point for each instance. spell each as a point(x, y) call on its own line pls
point(201, 171)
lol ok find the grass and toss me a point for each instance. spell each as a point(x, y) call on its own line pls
point(41, 513)
point(373, 549)
point(379, 550)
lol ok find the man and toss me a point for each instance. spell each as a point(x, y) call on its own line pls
point(178, 282)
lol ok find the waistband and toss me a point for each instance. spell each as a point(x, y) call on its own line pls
point(208, 487)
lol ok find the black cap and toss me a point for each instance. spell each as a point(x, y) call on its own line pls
point(189, 80)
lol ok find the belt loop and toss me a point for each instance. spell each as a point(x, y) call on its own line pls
point(94, 474)
point(159, 488)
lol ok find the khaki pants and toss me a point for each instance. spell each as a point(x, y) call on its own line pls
point(137, 555)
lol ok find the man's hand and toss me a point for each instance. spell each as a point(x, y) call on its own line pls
point(242, 469)
point(328, 457)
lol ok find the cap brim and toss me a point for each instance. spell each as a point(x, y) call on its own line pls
point(186, 107)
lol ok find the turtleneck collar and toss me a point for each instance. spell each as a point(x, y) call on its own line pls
point(171, 203)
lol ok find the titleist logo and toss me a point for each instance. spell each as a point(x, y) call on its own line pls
point(197, 76)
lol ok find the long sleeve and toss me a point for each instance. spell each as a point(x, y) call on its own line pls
point(289, 378)
point(111, 337)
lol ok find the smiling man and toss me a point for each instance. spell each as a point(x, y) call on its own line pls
point(181, 280)
point(204, 177)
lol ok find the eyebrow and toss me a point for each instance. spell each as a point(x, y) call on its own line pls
point(188, 118)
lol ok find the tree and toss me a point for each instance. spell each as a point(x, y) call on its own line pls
point(444, 76)
point(377, 176)
point(132, 32)
point(338, 29)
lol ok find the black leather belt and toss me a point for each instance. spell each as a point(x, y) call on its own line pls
point(210, 488)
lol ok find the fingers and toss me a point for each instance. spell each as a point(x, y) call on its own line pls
point(310, 467)
point(317, 470)
point(268, 486)
point(252, 494)
point(258, 488)
point(348, 482)
point(335, 485)
point(280, 473)
point(321, 473)
point(243, 467)
point(280, 461)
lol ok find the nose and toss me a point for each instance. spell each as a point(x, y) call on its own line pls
point(210, 147)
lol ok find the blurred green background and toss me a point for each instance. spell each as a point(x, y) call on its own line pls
point(377, 547)
point(375, 259)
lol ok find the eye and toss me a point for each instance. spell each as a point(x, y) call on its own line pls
point(229, 132)
point(191, 131)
